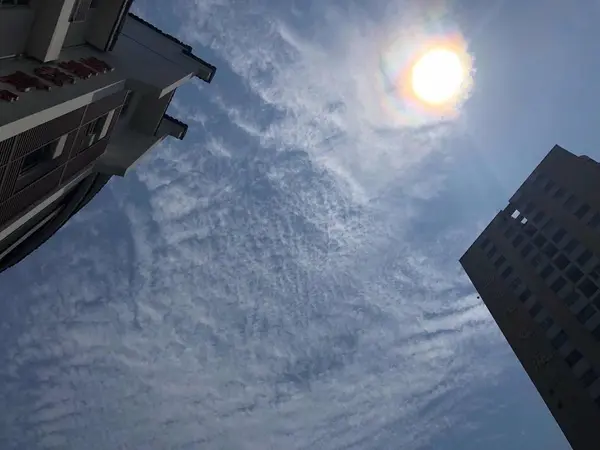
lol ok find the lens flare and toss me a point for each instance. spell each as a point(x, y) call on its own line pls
point(425, 78)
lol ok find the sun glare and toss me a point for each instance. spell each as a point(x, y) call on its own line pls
point(437, 76)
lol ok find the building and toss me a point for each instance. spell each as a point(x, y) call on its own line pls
point(84, 90)
point(537, 268)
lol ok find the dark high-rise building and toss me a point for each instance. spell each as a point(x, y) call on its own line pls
point(84, 91)
point(537, 268)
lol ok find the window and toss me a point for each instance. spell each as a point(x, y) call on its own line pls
point(559, 235)
point(539, 240)
point(548, 225)
point(584, 257)
point(484, 243)
point(506, 273)
point(529, 230)
point(536, 260)
point(528, 208)
point(509, 232)
point(574, 274)
point(515, 214)
point(558, 284)
point(573, 358)
point(539, 217)
point(535, 309)
point(594, 221)
point(526, 250)
point(595, 273)
point(514, 285)
point(4, 3)
point(561, 261)
point(550, 250)
point(558, 340)
point(491, 252)
point(549, 186)
point(585, 314)
point(499, 261)
point(596, 332)
point(588, 288)
point(588, 378)
point(571, 246)
point(582, 210)
point(524, 295)
point(43, 155)
point(517, 241)
point(547, 271)
point(570, 202)
point(571, 298)
point(546, 323)
point(559, 193)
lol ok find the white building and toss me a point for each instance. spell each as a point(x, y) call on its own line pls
point(84, 89)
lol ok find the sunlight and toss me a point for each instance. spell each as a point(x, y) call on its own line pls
point(437, 76)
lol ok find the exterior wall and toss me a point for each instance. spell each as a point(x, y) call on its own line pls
point(541, 287)
point(76, 32)
point(49, 29)
point(18, 195)
point(15, 25)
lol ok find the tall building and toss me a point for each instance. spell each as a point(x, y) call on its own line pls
point(84, 90)
point(537, 268)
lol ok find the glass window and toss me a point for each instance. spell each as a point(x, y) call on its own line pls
point(573, 358)
point(509, 232)
point(561, 261)
point(484, 243)
point(549, 186)
point(550, 250)
point(594, 221)
point(517, 241)
point(558, 340)
point(574, 274)
point(539, 240)
point(560, 233)
point(559, 193)
point(499, 261)
point(536, 260)
point(492, 252)
point(524, 295)
point(588, 378)
point(528, 208)
point(582, 210)
point(596, 332)
point(506, 273)
point(548, 225)
point(546, 323)
point(514, 285)
point(558, 284)
point(571, 298)
point(539, 217)
point(570, 202)
point(535, 309)
point(585, 313)
point(547, 271)
point(584, 257)
point(529, 229)
point(588, 288)
point(526, 250)
point(571, 246)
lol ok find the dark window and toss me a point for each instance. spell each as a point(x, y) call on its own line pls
point(492, 251)
point(484, 243)
point(596, 332)
point(559, 193)
point(588, 378)
point(528, 208)
point(517, 241)
point(529, 229)
point(539, 240)
point(595, 273)
point(571, 298)
point(38, 157)
point(515, 283)
point(573, 358)
point(550, 250)
point(540, 179)
point(585, 314)
point(588, 288)
point(499, 261)
point(582, 210)
point(546, 323)
point(558, 340)
point(548, 225)
point(558, 284)
point(549, 186)
point(506, 273)
point(594, 221)
point(584, 257)
point(574, 274)
point(539, 217)
point(525, 295)
point(571, 246)
point(547, 271)
point(570, 202)
point(561, 261)
point(536, 260)
point(526, 250)
point(535, 309)
point(559, 235)
point(509, 232)
point(13, 3)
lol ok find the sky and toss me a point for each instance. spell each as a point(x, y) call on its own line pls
point(287, 276)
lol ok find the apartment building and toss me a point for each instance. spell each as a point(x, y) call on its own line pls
point(536, 267)
point(84, 90)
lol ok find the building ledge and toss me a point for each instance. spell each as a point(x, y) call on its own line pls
point(172, 127)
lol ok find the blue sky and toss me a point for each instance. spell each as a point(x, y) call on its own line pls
point(287, 277)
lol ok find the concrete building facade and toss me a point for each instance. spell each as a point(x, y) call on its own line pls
point(84, 90)
point(536, 266)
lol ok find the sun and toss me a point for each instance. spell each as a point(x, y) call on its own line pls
point(437, 76)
